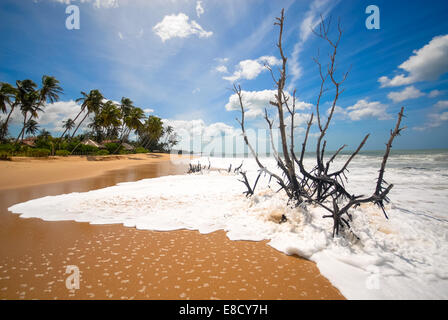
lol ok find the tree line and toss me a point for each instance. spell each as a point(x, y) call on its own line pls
point(108, 120)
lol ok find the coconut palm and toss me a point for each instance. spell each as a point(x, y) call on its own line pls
point(91, 102)
point(68, 125)
point(7, 93)
point(110, 118)
point(151, 131)
point(50, 90)
point(133, 121)
point(44, 134)
point(126, 106)
point(26, 97)
point(32, 101)
point(7, 98)
point(31, 127)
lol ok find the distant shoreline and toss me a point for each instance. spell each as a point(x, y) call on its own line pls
point(24, 171)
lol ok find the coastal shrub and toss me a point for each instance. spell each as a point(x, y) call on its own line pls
point(38, 152)
point(112, 147)
point(63, 153)
point(7, 148)
point(4, 156)
point(141, 150)
point(102, 152)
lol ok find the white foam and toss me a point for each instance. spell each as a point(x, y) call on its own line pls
point(405, 257)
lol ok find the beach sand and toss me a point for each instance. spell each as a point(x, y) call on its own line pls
point(123, 263)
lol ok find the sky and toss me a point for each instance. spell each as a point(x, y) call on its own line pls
point(179, 59)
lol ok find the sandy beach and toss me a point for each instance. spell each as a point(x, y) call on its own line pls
point(24, 171)
point(116, 262)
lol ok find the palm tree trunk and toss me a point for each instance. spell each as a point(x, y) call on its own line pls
point(122, 138)
point(79, 124)
point(5, 124)
point(23, 129)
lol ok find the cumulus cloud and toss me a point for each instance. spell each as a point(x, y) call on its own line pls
point(54, 115)
point(148, 110)
point(364, 109)
point(197, 135)
point(179, 26)
point(442, 104)
point(435, 93)
point(407, 93)
point(250, 69)
point(426, 64)
point(256, 101)
point(199, 128)
point(222, 69)
point(199, 9)
point(96, 3)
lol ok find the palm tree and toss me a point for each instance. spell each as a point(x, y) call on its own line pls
point(68, 125)
point(31, 127)
point(151, 131)
point(26, 97)
point(33, 100)
point(7, 95)
point(44, 134)
point(126, 106)
point(110, 118)
point(131, 122)
point(91, 102)
point(50, 90)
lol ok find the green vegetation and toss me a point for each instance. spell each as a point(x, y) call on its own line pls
point(109, 124)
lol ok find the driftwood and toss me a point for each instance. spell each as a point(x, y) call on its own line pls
point(319, 186)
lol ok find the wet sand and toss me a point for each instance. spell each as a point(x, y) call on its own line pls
point(23, 171)
point(124, 263)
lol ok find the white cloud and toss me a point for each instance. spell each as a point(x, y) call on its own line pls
point(407, 93)
point(96, 3)
point(54, 115)
point(179, 26)
point(442, 104)
point(256, 101)
point(436, 117)
point(222, 69)
point(197, 135)
point(148, 110)
point(427, 64)
point(120, 35)
point(199, 9)
point(364, 109)
point(222, 60)
point(250, 69)
point(435, 93)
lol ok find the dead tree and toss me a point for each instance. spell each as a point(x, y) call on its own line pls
point(320, 185)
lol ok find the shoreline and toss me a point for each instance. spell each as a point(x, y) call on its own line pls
point(117, 262)
point(26, 171)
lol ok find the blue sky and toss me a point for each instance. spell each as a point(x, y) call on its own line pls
point(178, 59)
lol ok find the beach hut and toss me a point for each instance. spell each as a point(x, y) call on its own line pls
point(90, 142)
point(30, 142)
point(127, 146)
